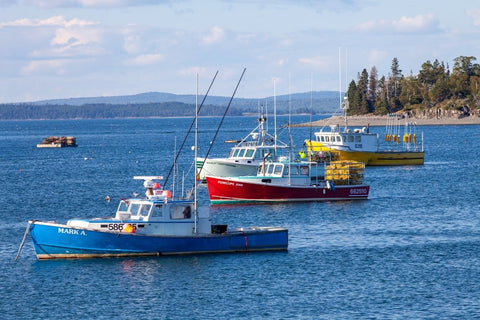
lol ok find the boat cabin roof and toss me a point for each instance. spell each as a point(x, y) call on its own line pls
point(147, 209)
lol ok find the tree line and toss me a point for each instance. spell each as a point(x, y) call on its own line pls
point(434, 86)
point(32, 111)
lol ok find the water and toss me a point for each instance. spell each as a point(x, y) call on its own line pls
point(409, 252)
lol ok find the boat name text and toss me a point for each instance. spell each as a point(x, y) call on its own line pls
point(72, 231)
point(230, 183)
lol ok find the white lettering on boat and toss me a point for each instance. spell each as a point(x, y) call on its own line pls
point(228, 183)
point(358, 191)
point(72, 231)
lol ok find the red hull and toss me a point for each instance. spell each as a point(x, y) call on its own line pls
point(227, 190)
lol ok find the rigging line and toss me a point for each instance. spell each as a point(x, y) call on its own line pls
point(190, 129)
point(27, 231)
point(221, 121)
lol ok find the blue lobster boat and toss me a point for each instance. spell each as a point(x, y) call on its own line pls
point(154, 225)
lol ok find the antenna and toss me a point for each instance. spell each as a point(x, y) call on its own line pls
point(195, 157)
point(340, 77)
point(275, 115)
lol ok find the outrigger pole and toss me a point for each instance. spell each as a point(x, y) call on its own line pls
point(189, 130)
point(221, 121)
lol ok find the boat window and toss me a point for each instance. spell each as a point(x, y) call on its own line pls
point(294, 170)
point(235, 153)
point(144, 210)
point(304, 170)
point(134, 208)
point(123, 206)
point(327, 139)
point(323, 138)
point(344, 139)
point(285, 171)
point(270, 169)
point(157, 211)
point(249, 153)
point(241, 153)
point(180, 212)
point(278, 169)
point(358, 138)
point(339, 139)
point(350, 138)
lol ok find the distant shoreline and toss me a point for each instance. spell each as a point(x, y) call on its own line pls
point(376, 121)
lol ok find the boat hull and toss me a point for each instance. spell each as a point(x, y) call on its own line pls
point(235, 190)
point(378, 158)
point(59, 241)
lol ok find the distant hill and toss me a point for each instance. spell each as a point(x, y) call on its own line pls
point(303, 99)
point(161, 104)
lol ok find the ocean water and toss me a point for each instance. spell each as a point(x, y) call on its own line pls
point(411, 251)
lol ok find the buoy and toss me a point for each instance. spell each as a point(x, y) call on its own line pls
point(167, 193)
point(128, 228)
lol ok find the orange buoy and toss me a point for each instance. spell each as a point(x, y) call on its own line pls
point(128, 228)
point(167, 194)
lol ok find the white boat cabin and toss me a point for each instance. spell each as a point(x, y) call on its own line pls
point(356, 139)
point(156, 214)
point(296, 173)
point(151, 217)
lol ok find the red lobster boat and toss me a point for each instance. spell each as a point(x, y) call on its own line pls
point(291, 181)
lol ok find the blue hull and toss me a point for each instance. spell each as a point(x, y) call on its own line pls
point(52, 241)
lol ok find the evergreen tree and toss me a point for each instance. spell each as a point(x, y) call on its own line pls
point(362, 89)
point(395, 78)
point(372, 89)
point(353, 99)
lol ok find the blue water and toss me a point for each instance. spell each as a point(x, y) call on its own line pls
point(409, 252)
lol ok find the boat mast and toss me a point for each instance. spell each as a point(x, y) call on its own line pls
point(195, 156)
point(274, 117)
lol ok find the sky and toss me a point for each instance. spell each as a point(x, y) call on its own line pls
point(52, 49)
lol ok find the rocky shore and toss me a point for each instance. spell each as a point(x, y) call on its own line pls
point(436, 116)
point(363, 121)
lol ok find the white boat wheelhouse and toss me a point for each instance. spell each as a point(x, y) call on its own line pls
point(356, 139)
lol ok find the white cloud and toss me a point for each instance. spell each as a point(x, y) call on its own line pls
point(91, 3)
point(418, 23)
point(475, 15)
point(73, 37)
point(193, 71)
point(216, 35)
point(146, 59)
point(318, 62)
point(56, 66)
point(57, 21)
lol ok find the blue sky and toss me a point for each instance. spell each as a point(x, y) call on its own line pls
point(82, 48)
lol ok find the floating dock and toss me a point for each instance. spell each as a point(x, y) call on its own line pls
point(58, 142)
